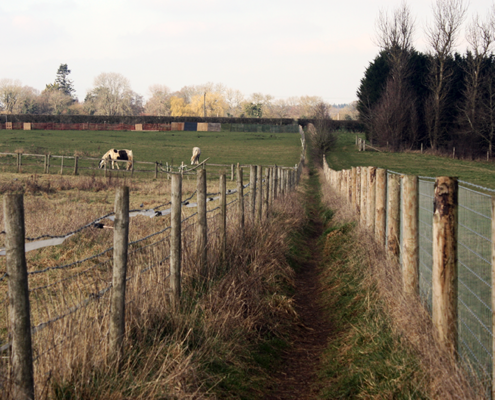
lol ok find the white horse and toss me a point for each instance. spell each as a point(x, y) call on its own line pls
point(112, 155)
point(195, 155)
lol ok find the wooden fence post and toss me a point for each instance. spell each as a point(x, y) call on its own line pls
point(19, 162)
point(202, 230)
point(393, 216)
point(48, 159)
point(156, 170)
point(117, 301)
point(274, 183)
point(364, 194)
point(444, 276)
point(75, 164)
point(19, 307)
point(240, 201)
point(353, 187)
point(45, 164)
point(381, 205)
point(410, 231)
point(268, 174)
point(62, 166)
point(232, 172)
point(259, 195)
point(223, 214)
point(175, 239)
point(358, 190)
point(252, 191)
point(371, 200)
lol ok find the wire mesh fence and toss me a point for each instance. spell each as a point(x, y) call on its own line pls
point(474, 266)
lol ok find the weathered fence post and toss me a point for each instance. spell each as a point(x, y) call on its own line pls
point(175, 238)
point(117, 301)
point(62, 166)
point(19, 162)
point(76, 159)
point(232, 172)
point(19, 307)
point(371, 200)
point(268, 174)
point(274, 183)
point(223, 214)
point(202, 230)
point(364, 194)
point(353, 187)
point(444, 276)
point(393, 216)
point(156, 170)
point(358, 190)
point(410, 231)
point(240, 201)
point(252, 191)
point(381, 205)
point(259, 195)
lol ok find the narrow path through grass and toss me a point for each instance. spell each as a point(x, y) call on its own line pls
point(343, 345)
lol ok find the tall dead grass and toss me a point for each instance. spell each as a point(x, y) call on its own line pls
point(410, 319)
point(202, 349)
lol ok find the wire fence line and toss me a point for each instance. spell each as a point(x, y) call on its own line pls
point(74, 297)
point(472, 305)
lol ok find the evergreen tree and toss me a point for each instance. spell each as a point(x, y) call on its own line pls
point(62, 82)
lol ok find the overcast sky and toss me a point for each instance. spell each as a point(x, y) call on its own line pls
point(278, 47)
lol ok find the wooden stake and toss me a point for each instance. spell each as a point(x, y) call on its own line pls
point(19, 308)
point(444, 277)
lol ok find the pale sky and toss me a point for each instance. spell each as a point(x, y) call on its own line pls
point(279, 47)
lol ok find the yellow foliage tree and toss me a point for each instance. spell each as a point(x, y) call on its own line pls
point(179, 107)
point(214, 102)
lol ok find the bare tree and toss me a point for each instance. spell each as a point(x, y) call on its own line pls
point(473, 113)
point(11, 96)
point(234, 99)
point(442, 34)
point(395, 35)
point(393, 118)
point(159, 102)
point(112, 95)
point(322, 137)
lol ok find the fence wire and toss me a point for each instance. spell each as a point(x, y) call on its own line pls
point(474, 270)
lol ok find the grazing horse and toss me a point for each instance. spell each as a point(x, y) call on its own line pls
point(195, 156)
point(113, 155)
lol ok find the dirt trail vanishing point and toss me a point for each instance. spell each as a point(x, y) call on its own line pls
point(297, 378)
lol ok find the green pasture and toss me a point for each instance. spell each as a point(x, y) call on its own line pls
point(262, 148)
point(345, 156)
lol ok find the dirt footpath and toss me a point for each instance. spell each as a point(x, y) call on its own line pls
point(298, 379)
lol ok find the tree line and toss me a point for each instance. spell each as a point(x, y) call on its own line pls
point(440, 99)
point(111, 95)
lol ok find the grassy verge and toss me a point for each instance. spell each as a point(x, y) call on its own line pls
point(384, 341)
point(345, 156)
point(364, 359)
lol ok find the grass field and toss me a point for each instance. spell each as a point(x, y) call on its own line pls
point(172, 147)
point(345, 156)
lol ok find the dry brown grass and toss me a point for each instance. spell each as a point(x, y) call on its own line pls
point(168, 352)
point(410, 320)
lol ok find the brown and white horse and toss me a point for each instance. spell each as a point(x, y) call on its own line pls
point(113, 154)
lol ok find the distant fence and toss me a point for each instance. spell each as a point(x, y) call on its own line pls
point(163, 127)
point(67, 301)
point(50, 163)
point(442, 231)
